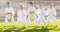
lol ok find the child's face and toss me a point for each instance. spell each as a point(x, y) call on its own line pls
point(51, 5)
point(9, 5)
point(41, 6)
point(31, 4)
point(21, 7)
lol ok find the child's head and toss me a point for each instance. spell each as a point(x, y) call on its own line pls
point(31, 3)
point(51, 5)
point(8, 4)
point(21, 7)
point(41, 5)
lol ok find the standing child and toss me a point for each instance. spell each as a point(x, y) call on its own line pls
point(9, 13)
point(52, 14)
point(41, 15)
point(32, 11)
point(21, 14)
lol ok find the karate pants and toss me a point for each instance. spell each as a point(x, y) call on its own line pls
point(7, 17)
point(34, 18)
point(22, 19)
point(39, 19)
point(52, 18)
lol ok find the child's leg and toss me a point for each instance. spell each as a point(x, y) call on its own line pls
point(28, 20)
point(18, 20)
point(55, 21)
point(48, 19)
point(38, 21)
point(25, 22)
point(6, 20)
point(43, 19)
point(12, 20)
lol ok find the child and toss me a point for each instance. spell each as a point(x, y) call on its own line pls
point(9, 13)
point(52, 14)
point(32, 10)
point(21, 14)
point(41, 15)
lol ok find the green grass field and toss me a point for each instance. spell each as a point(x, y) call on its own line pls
point(9, 28)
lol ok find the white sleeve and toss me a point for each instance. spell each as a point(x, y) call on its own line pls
point(5, 10)
point(44, 12)
point(18, 13)
point(54, 11)
point(47, 12)
point(28, 11)
point(37, 12)
point(34, 9)
point(13, 12)
point(25, 13)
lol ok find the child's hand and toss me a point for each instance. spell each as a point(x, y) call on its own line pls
point(38, 14)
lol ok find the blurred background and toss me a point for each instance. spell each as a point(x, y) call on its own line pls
point(16, 3)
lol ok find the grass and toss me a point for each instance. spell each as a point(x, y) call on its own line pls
point(9, 28)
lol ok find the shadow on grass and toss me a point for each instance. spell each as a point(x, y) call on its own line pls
point(29, 30)
point(37, 30)
point(0, 30)
point(13, 30)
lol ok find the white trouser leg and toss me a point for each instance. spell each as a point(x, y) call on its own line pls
point(18, 20)
point(44, 22)
point(48, 19)
point(55, 21)
point(12, 20)
point(38, 21)
point(28, 20)
point(6, 20)
point(53, 18)
point(35, 19)
point(43, 19)
point(25, 23)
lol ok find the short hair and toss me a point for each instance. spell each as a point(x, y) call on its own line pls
point(8, 3)
point(51, 3)
point(21, 5)
point(31, 2)
point(40, 4)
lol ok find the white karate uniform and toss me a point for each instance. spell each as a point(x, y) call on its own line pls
point(41, 16)
point(21, 17)
point(32, 9)
point(7, 16)
point(51, 15)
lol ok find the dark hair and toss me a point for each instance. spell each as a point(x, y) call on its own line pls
point(30, 2)
point(8, 3)
point(40, 4)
